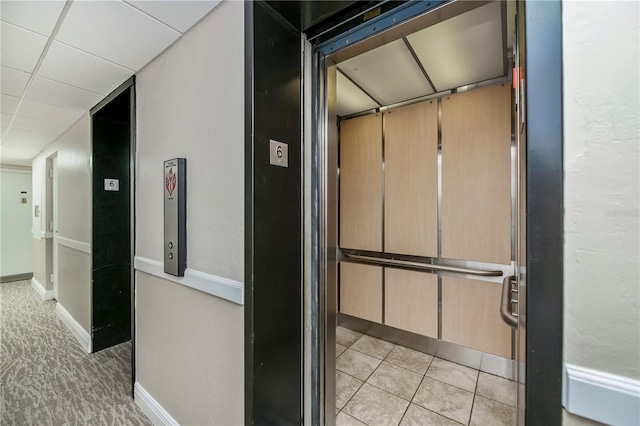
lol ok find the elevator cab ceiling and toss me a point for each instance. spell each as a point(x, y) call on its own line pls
point(467, 49)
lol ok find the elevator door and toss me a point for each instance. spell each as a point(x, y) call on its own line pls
point(521, 242)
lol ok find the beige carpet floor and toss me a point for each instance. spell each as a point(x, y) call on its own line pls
point(46, 377)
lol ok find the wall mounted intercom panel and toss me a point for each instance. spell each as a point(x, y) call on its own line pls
point(175, 216)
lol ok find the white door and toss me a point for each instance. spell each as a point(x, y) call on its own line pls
point(55, 227)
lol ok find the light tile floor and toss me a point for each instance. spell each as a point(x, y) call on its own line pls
point(379, 383)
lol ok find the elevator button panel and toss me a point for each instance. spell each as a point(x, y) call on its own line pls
point(175, 216)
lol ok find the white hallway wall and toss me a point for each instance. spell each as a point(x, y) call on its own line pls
point(190, 103)
point(602, 172)
point(15, 218)
point(73, 150)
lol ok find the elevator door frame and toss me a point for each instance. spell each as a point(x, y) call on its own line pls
point(130, 85)
point(543, 23)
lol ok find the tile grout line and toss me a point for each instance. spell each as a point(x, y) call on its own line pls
point(424, 375)
point(473, 402)
point(364, 353)
point(372, 385)
point(359, 387)
point(377, 387)
point(440, 414)
point(347, 403)
point(414, 395)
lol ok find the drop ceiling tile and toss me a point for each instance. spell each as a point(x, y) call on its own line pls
point(35, 126)
point(20, 151)
point(8, 104)
point(24, 137)
point(88, 72)
point(21, 49)
point(462, 50)
point(53, 93)
point(12, 81)
point(388, 73)
point(115, 31)
point(49, 113)
point(36, 16)
point(350, 99)
point(180, 15)
point(5, 120)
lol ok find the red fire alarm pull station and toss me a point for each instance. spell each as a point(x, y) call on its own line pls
point(175, 216)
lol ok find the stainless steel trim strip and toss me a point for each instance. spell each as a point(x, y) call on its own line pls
point(482, 361)
point(419, 63)
point(515, 181)
point(439, 212)
point(382, 120)
point(406, 264)
point(318, 241)
point(470, 86)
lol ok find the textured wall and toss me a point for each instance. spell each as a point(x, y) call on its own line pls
point(189, 352)
point(15, 218)
point(73, 149)
point(190, 103)
point(41, 270)
point(601, 92)
point(74, 288)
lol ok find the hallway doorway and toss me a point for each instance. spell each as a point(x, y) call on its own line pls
point(112, 218)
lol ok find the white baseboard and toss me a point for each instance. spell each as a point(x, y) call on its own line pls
point(76, 329)
point(149, 406)
point(44, 294)
point(600, 396)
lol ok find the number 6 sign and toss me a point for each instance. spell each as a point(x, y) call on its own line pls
point(278, 153)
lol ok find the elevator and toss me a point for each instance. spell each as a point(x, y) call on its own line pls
point(424, 217)
point(424, 193)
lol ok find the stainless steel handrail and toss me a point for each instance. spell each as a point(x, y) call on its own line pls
point(505, 304)
point(422, 266)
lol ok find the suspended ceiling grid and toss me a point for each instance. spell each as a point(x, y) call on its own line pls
point(463, 50)
point(59, 59)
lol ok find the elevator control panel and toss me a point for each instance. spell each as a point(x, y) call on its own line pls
point(175, 216)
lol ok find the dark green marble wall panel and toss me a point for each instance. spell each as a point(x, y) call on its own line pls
point(111, 244)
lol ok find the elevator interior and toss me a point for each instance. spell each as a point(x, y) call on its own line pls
point(430, 199)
